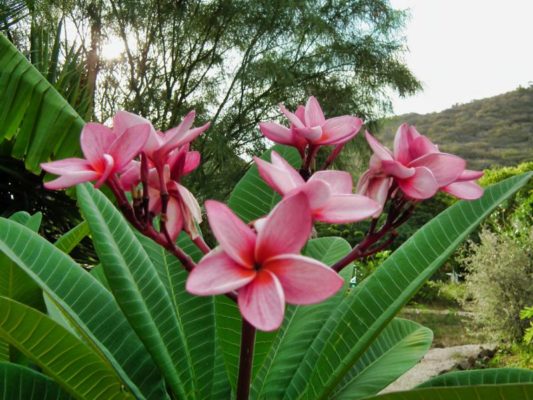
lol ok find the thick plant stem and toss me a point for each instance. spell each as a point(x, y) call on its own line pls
point(246, 360)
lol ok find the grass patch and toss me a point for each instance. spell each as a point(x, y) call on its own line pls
point(451, 327)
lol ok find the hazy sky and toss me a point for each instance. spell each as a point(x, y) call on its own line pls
point(466, 49)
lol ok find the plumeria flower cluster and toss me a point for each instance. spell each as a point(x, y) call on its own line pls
point(259, 264)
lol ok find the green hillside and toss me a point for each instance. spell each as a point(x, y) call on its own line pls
point(489, 132)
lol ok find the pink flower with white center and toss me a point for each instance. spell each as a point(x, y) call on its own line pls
point(416, 164)
point(107, 151)
point(309, 126)
point(265, 267)
point(329, 192)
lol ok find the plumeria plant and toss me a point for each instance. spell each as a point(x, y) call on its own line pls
point(265, 313)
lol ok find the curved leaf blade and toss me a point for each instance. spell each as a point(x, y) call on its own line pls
point(491, 376)
point(137, 288)
point(22, 383)
point(89, 306)
point(58, 352)
point(395, 351)
point(359, 319)
point(67, 242)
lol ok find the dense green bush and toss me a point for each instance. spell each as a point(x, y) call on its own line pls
point(500, 272)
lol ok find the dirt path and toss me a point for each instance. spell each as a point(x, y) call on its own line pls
point(438, 361)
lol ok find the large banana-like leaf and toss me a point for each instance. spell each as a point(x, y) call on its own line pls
point(358, 320)
point(481, 377)
point(22, 383)
point(252, 198)
point(195, 313)
point(138, 289)
point(395, 351)
point(61, 355)
point(516, 391)
point(39, 121)
point(88, 305)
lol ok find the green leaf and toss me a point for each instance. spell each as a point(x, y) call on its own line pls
point(138, 290)
point(22, 383)
point(481, 392)
point(88, 305)
point(359, 319)
point(491, 376)
point(67, 242)
point(395, 351)
point(40, 121)
point(195, 314)
point(60, 354)
point(31, 221)
point(252, 198)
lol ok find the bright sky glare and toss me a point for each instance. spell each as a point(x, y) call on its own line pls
point(463, 50)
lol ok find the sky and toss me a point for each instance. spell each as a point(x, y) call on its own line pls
point(463, 50)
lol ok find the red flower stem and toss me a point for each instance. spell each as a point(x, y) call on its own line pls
point(146, 195)
point(201, 244)
point(396, 217)
point(305, 171)
point(246, 360)
point(333, 155)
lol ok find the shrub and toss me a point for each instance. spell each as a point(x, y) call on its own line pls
point(499, 281)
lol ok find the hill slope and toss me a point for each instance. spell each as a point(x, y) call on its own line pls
point(489, 132)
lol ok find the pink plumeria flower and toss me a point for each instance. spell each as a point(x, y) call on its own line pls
point(107, 151)
point(309, 126)
point(265, 267)
point(416, 164)
point(160, 144)
point(329, 192)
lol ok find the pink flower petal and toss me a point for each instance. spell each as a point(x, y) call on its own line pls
point(394, 168)
point(309, 133)
point(421, 146)
point(469, 175)
point(467, 190)
point(218, 273)
point(276, 132)
point(300, 113)
point(174, 218)
point(318, 193)
point(131, 176)
point(192, 161)
point(287, 228)
point(190, 202)
point(340, 182)
point(402, 144)
point(235, 237)
point(279, 161)
point(347, 208)
point(422, 185)
point(304, 280)
point(95, 140)
point(337, 130)
point(379, 150)
point(277, 177)
point(378, 190)
point(129, 145)
point(313, 113)
point(173, 135)
point(446, 168)
point(262, 302)
point(124, 120)
point(296, 121)
point(67, 166)
point(71, 179)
